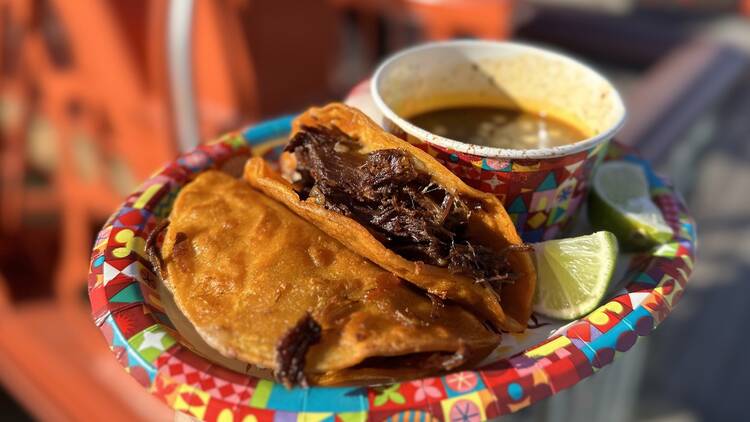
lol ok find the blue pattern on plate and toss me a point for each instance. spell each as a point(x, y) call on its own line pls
point(320, 399)
point(271, 129)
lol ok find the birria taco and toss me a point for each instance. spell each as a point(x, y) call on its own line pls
point(395, 205)
point(262, 285)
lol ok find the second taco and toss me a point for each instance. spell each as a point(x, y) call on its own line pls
point(400, 208)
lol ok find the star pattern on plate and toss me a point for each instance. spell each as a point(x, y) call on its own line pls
point(494, 182)
point(152, 339)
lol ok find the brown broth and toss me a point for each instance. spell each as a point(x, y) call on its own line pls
point(498, 127)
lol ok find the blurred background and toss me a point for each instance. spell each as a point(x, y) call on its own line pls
point(97, 94)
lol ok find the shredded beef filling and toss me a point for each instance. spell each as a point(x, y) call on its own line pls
point(397, 203)
point(292, 349)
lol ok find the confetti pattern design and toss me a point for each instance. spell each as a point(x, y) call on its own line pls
point(127, 309)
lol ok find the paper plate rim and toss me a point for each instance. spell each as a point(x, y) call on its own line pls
point(127, 310)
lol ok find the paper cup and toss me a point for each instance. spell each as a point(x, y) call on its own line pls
point(542, 188)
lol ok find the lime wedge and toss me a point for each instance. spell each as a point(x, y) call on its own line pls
point(620, 202)
point(573, 274)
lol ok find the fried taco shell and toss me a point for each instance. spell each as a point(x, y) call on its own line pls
point(397, 206)
point(262, 285)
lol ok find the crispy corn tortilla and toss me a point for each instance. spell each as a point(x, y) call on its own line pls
point(491, 226)
point(244, 270)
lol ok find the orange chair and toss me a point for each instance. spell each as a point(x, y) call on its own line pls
point(445, 19)
point(109, 98)
point(104, 80)
point(435, 19)
point(52, 357)
point(19, 124)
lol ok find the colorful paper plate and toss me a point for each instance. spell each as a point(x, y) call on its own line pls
point(127, 307)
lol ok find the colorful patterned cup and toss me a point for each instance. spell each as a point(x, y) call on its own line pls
point(543, 188)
